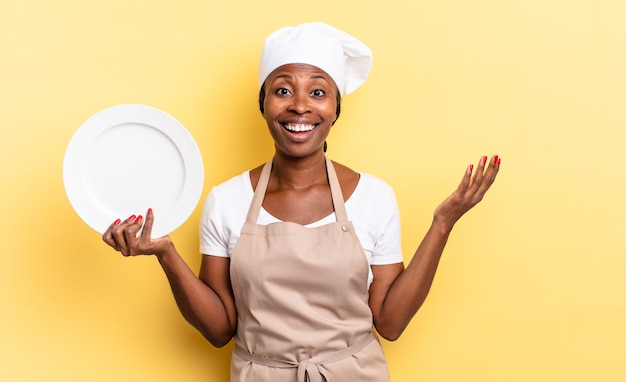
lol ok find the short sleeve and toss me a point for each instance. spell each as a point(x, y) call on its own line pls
point(212, 234)
point(388, 246)
point(374, 211)
point(223, 215)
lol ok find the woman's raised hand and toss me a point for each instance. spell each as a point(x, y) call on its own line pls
point(471, 191)
point(122, 236)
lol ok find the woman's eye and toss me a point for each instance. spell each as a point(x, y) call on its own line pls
point(282, 91)
point(318, 93)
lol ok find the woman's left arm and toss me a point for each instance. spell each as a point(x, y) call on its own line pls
point(397, 293)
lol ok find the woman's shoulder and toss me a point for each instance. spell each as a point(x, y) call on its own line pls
point(345, 172)
point(236, 185)
point(348, 179)
point(373, 188)
point(228, 200)
point(359, 179)
point(362, 186)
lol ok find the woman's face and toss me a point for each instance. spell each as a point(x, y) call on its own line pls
point(300, 107)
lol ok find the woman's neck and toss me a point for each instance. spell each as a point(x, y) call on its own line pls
point(290, 173)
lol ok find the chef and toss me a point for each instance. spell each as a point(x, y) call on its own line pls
point(302, 262)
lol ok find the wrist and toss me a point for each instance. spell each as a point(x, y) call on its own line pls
point(442, 226)
point(166, 250)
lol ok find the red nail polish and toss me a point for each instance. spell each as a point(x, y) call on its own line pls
point(495, 159)
point(116, 223)
point(139, 219)
point(483, 160)
point(471, 168)
point(149, 211)
point(131, 218)
point(499, 159)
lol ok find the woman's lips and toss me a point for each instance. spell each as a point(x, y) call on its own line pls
point(299, 127)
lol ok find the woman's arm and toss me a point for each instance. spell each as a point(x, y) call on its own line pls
point(397, 293)
point(205, 301)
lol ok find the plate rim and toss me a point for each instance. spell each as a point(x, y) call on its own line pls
point(158, 119)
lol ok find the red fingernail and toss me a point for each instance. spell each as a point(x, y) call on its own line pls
point(139, 219)
point(116, 223)
point(471, 168)
point(149, 211)
point(499, 159)
point(495, 159)
point(483, 160)
point(131, 218)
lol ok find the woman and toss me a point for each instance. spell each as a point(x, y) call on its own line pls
point(302, 255)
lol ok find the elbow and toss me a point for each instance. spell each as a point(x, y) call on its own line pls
point(390, 332)
point(390, 335)
point(391, 328)
point(218, 337)
point(392, 338)
point(218, 340)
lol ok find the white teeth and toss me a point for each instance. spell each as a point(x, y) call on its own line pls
point(299, 127)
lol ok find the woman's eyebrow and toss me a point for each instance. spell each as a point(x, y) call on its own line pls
point(283, 76)
point(313, 77)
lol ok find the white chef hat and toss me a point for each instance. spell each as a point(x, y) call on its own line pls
point(346, 60)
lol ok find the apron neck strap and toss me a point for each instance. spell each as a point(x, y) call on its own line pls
point(259, 193)
point(333, 181)
point(335, 190)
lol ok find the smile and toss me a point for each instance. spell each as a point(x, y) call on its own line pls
point(298, 127)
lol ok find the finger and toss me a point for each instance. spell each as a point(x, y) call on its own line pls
point(492, 170)
point(490, 175)
point(130, 234)
point(107, 237)
point(476, 180)
point(466, 180)
point(146, 234)
point(480, 171)
point(119, 237)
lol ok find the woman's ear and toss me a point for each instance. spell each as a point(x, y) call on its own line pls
point(262, 99)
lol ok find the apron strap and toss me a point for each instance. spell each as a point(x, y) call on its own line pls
point(335, 190)
point(308, 370)
point(333, 181)
point(259, 194)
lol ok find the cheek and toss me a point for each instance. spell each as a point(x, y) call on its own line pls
point(331, 111)
point(269, 109)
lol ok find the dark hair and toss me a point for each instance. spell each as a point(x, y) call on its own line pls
point(262, 100)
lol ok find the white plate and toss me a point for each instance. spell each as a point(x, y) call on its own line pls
point(128, 158)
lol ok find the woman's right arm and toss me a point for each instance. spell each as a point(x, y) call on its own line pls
point(205, 301)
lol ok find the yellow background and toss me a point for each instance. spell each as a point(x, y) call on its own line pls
point(532, 285)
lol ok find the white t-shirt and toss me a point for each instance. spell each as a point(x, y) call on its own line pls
point(372, 208)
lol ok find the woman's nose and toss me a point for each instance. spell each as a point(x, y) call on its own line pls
point(299, 104)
